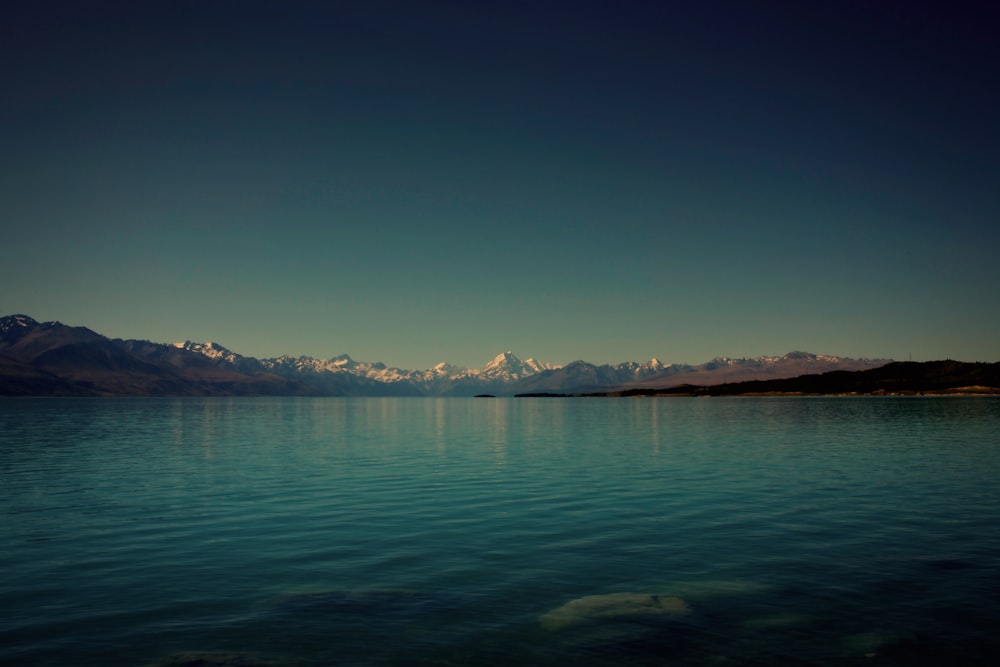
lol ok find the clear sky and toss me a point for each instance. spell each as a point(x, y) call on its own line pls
point(415, 182)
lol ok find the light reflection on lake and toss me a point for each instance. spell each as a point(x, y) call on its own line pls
point(441, 531)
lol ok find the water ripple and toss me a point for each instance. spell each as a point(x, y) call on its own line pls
point(440, 531)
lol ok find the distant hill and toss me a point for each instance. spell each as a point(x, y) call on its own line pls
point(583, 377)
point(53, 359)
point(897, 378)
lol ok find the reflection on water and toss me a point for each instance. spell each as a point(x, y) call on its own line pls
point(443, 531)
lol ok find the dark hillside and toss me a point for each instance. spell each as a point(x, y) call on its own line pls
point(901, 377)
point(52, 359)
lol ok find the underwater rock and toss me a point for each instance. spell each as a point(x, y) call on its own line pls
point(610, 606)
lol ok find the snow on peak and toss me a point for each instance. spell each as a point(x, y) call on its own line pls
point(537, 366)
point(444, 368)
point(503, 359)
point(209, 349)
point(506, 366)
point(342, 361)
point(19, 321)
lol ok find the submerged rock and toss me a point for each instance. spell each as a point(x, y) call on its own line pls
point(611, 606)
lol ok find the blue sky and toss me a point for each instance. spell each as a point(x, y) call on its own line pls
point(421, 182)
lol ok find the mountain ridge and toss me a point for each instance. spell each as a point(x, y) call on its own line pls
point(897, 378)
point(51, 358)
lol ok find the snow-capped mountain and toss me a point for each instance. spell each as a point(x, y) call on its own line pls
point(210, 350)
point(376, 377)
point(50, 357)
point(16, 322)
point(342, 373)
point(583, 377)
point(507, 374)
point(506, 367)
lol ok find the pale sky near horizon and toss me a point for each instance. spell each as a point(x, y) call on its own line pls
point(422, 182)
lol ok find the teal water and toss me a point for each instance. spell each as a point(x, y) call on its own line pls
point(343, 531)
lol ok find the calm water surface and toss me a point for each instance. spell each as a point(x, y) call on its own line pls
point(383, 531)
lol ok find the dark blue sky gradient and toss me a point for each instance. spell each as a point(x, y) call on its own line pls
point(418, 182)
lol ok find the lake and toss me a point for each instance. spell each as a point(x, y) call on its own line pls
point(422, 531)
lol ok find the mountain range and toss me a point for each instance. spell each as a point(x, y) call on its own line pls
point(898, 378)
point(54, 359)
